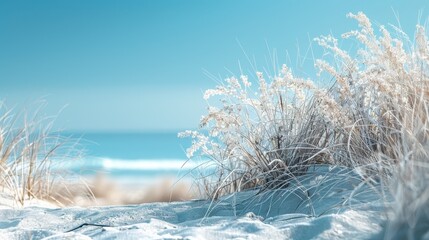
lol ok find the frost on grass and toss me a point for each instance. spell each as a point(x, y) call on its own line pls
point(266, 131)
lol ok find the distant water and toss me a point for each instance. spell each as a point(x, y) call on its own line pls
point(131, 156)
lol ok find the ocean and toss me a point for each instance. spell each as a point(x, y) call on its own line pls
point(131, 157)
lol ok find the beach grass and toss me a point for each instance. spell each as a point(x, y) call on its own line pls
point(28, 148)
point(100, 190)
point(265, 131)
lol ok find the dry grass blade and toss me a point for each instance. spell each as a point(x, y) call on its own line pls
point(372, 121)
point(29, 153)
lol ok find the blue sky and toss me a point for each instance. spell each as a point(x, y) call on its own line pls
point(142, 65)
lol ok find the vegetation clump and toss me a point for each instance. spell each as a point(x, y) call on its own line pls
point(28, 150)
point(373, 120)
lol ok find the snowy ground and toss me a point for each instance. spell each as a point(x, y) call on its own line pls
point(320, 205)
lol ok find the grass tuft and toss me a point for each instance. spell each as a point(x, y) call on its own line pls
point(29, 154)
point(265, 132)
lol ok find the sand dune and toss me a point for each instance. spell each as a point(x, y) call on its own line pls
point(322, 211)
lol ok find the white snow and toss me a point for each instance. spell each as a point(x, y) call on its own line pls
point(316, 206)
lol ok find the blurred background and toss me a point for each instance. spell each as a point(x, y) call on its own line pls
point(124, 77)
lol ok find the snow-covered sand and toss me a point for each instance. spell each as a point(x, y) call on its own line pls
point(320, 205)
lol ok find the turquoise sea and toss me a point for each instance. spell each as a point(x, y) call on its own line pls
point(131, 157)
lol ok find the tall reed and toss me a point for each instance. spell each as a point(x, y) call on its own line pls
point(265, 136)
point(27, 152)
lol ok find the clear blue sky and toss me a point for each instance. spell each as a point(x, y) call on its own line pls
point(140, 65)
